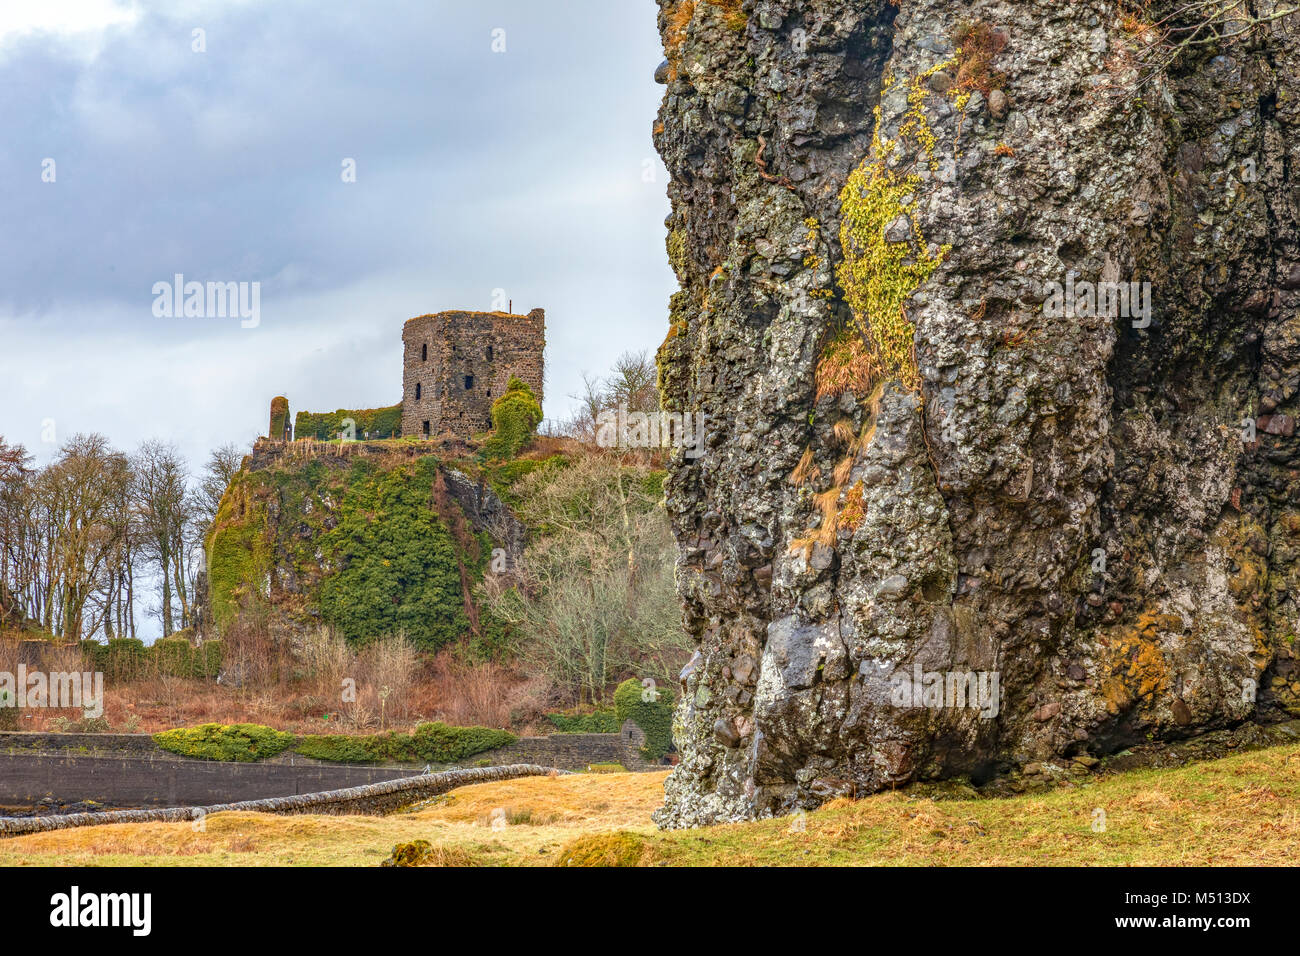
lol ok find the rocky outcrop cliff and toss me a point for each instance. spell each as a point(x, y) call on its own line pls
point(931, 450)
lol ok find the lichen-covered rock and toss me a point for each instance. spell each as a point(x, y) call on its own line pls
point(935, 450)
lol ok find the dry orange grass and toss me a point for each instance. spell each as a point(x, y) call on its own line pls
point(1243, 810)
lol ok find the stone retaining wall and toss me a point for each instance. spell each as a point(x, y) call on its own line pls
point(131, 770)
point(371, 799)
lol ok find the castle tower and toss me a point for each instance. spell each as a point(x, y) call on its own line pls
point(455, 364)
point(281, 428)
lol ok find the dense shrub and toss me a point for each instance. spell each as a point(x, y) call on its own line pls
point(339, 748)
point(439, 743)
point(515, 417)
point(399, 568)
point(244, 743)
point(651, 709)
point(596, 722)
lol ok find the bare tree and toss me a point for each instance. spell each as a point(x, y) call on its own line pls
point(633, 383)
point(593, 599)
point(162, 505)
point(77, 525)
point(14, 475)
point(223, 464)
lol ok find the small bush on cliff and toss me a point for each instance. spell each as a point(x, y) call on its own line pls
point(515, 417)
point(651, 709)
point(244, 743)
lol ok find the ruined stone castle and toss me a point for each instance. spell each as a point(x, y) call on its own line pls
point(455, 364)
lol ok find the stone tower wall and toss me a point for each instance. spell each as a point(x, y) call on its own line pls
point(461, 363)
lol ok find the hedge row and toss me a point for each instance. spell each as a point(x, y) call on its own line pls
point(427, 743)
point(127, 658)
point(368, 422)
point(596, 722)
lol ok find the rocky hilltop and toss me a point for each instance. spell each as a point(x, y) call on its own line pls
point(994, 311)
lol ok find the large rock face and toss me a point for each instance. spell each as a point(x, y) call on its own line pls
point(921, 461)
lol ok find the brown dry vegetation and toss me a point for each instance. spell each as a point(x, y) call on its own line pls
point(301, 691)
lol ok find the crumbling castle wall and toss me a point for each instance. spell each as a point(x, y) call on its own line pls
point(455, 364)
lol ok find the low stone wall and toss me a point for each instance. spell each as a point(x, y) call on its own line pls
point(372, 799)
point(566, 751)
point(131, 770)
point(159, 779)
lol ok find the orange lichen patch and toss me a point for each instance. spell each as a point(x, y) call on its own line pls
point(1134, 665)
point(678, 22)
point(854, 510)
point(732, 13)
point(680, 16)
point(1242, 538)
point(1133, 23)
point(1004, 150)
point(828, 504)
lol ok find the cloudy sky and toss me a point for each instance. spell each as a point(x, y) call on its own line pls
point(210, 139)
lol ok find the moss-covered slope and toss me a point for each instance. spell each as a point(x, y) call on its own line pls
point(365, 537)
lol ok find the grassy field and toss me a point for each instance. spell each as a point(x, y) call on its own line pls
point(1242, 810)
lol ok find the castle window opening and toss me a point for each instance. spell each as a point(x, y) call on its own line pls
point(489, 353)
point(424, 352)
point(417, 391)
point(469, 382)
point(426, 429)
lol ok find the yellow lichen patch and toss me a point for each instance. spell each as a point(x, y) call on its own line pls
point(916, 125)
point(1133, 664)
point(878, 275)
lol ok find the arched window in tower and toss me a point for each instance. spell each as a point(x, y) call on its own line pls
point(489, 353)
point(424, 352)
point(417, 391)
point(469, 382)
